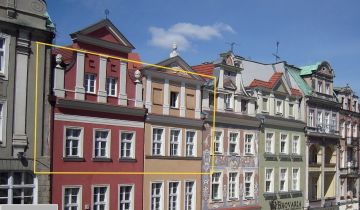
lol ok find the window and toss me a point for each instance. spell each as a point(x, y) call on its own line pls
point(295, 179)
point(127, 145)
point(190, 195)
point(327, 121)
point(72, 198)
point(279, 107)
point(175, 142)
point(320, 119)
point(174, 100)
point(216, 186)
point(157, 141)
point(348, 130)
point(228, 101)
point(269, 180)
point(249, 144)
point(296, 145)
point(249, 185)
point(311, 118)
point(233, 185)
point(111, 86)
point(90, 83)
point(2, 122)
point(101, 144)
point(156, 196)
point(327, 89)
point(4, 53)
point(100, 198)
point(283, 143)
point(333, 123)
point(342, 130)
point(265, 105)
point(190, 143)
point(218, 142)
point(283, 179)
point(291, 110)
point(126, 197)
point(190, 101)
point(244, 104)
point(174, 196)
point(157, 96)
point(211, 99)
point(319, 86)
point(269, 143)
point(355, 131)
point(233, 143)
point(17, 188)
point(73, 142)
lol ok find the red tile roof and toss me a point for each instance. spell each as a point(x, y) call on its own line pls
point(207, 69)
point(295, 92)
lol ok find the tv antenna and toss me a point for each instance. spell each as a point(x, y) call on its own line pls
point(107, 12)
point(232, 44)
point(276, 55)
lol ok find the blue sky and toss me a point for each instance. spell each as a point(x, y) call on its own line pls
point(308, 30)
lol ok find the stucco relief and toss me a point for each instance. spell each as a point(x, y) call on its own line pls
point(37, 6)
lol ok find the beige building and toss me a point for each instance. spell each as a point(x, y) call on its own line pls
point(173, 133)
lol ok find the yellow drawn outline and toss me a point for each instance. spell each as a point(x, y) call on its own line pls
point(126, 60)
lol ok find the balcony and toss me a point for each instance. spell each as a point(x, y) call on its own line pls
point(350, 170)
point(353, 141)
point(323, 129)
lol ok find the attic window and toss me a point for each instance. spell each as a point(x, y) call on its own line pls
point(92, 63)
point(230, 73)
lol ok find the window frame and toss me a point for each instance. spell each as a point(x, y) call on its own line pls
point(286, 180)
point(291, 110)
point(3, 120)
point(81, 142)
point(220, 188)
point(311, 118)
point(162, 141)
point(252, 144)
point(194, 144)
point(252, 183)
point(272, 142)
point(86, 83)
point(107, 195)
point(221, 142)
point(6, 56)
point(108, 143)
point(179, 143)
point(281, 111)
point(298, 146)
point(236, 186)
point(108, 86)
point(132, 195)
point(267, 105)
point(176, 101)
point(237, 142)
point(133, 144)
point(193, 195)
point(298, 179)
point(286, 143)
point(161, 195)
point(271, 180)
point(178, 194)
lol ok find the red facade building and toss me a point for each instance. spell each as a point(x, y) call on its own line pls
point(98, 122)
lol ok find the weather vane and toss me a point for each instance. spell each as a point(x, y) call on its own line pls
point(276, 55)
point(232, 44)
point(107, 12)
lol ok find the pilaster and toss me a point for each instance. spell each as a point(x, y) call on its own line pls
point(122, 98)
point(286, 109)
point(197, 102)
point(182, 100)
point(102, 81)
point(148, 103)
point(166, 106)
point(271, 104)
point(59, 74)
point(80, 68)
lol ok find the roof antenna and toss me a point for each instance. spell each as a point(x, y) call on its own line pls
point(232, 44)
point(276, 55)
point(107, 12)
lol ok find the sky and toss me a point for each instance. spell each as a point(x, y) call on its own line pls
point(308, 31)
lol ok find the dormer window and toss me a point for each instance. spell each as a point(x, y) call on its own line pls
point(319, 86)
point(229, 73)
point(228, 101)
point(279, 107)
point(327, 89)
point(265, 105)
point(174, 99)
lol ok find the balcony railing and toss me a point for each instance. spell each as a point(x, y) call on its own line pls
point(324, 128)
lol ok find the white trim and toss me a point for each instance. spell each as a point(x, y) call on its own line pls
point(7, 39)
point(195, 143)
point(252, 144)
point(162, 149)
point(133, 144)
point(178, 153)
point(252, 185)
point(108, 143)
point(298, 178)
point(271, 179)
point(298, 152)
point(194, 194)
point(237, 185)
point(221, 144)
point(107, 195)
point(132, 195)
point(272, 141)
point(286, 143)
point(221, 181)
point(178, 194)
point(63, 194)
point(286, 179)
point(81, 143)
point(98, 120)
point(237, 141)
point(3, 113)
point(161, 193)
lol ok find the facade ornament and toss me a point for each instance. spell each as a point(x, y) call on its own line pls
point(174, 52)
point(137, 75)
point(59, 60)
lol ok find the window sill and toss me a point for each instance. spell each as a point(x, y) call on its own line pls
point(88, 93)
point(233, 199)
point(172, 157)
point(249, 198)
point(73, 159)
point(248, 154)
point(219, 200)
point(101, 159)
point(127, 160)
point(112, 96)
point(175, 108)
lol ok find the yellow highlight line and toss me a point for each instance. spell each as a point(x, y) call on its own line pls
point(124, 173)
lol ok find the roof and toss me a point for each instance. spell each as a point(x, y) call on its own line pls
point(49, 22)
point(270, 84)
point(207, 69)
point(306, 70)
point(295, 74)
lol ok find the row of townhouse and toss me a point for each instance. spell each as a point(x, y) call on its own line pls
point(284, 137)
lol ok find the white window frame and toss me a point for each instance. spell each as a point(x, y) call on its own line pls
point(320, 86)
point(286, 180)
point(286, 143)
point(6, 50)
point(220, 142)
point(79, 199)
point(228, 101)
point(161, 195)
point(10, 186)
point(132, 142)
point(279, 109)
point(108, 143)
point(354, 130)
point(291, 109)
point(132, 197)
point(107, 196)
point(176, 100)
point(298, 146)
point(267, 105)
point(179, 143)
point(327, 88)
point(271, 180)
point(272, 142)
point(251, 196)
point(87, 82)
point(236, 186)
point(220, 183)
point(109, 84)
point(162, 141)
point(178, 195)
point(252, 144)
point(319, 118)
point(193, 144)
point(311, 118)
point(193, 193)
point(327, 121)
point(3, 119)
point(237, 142)
point(81, 142)
point(297, 187)
point(342, 129)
